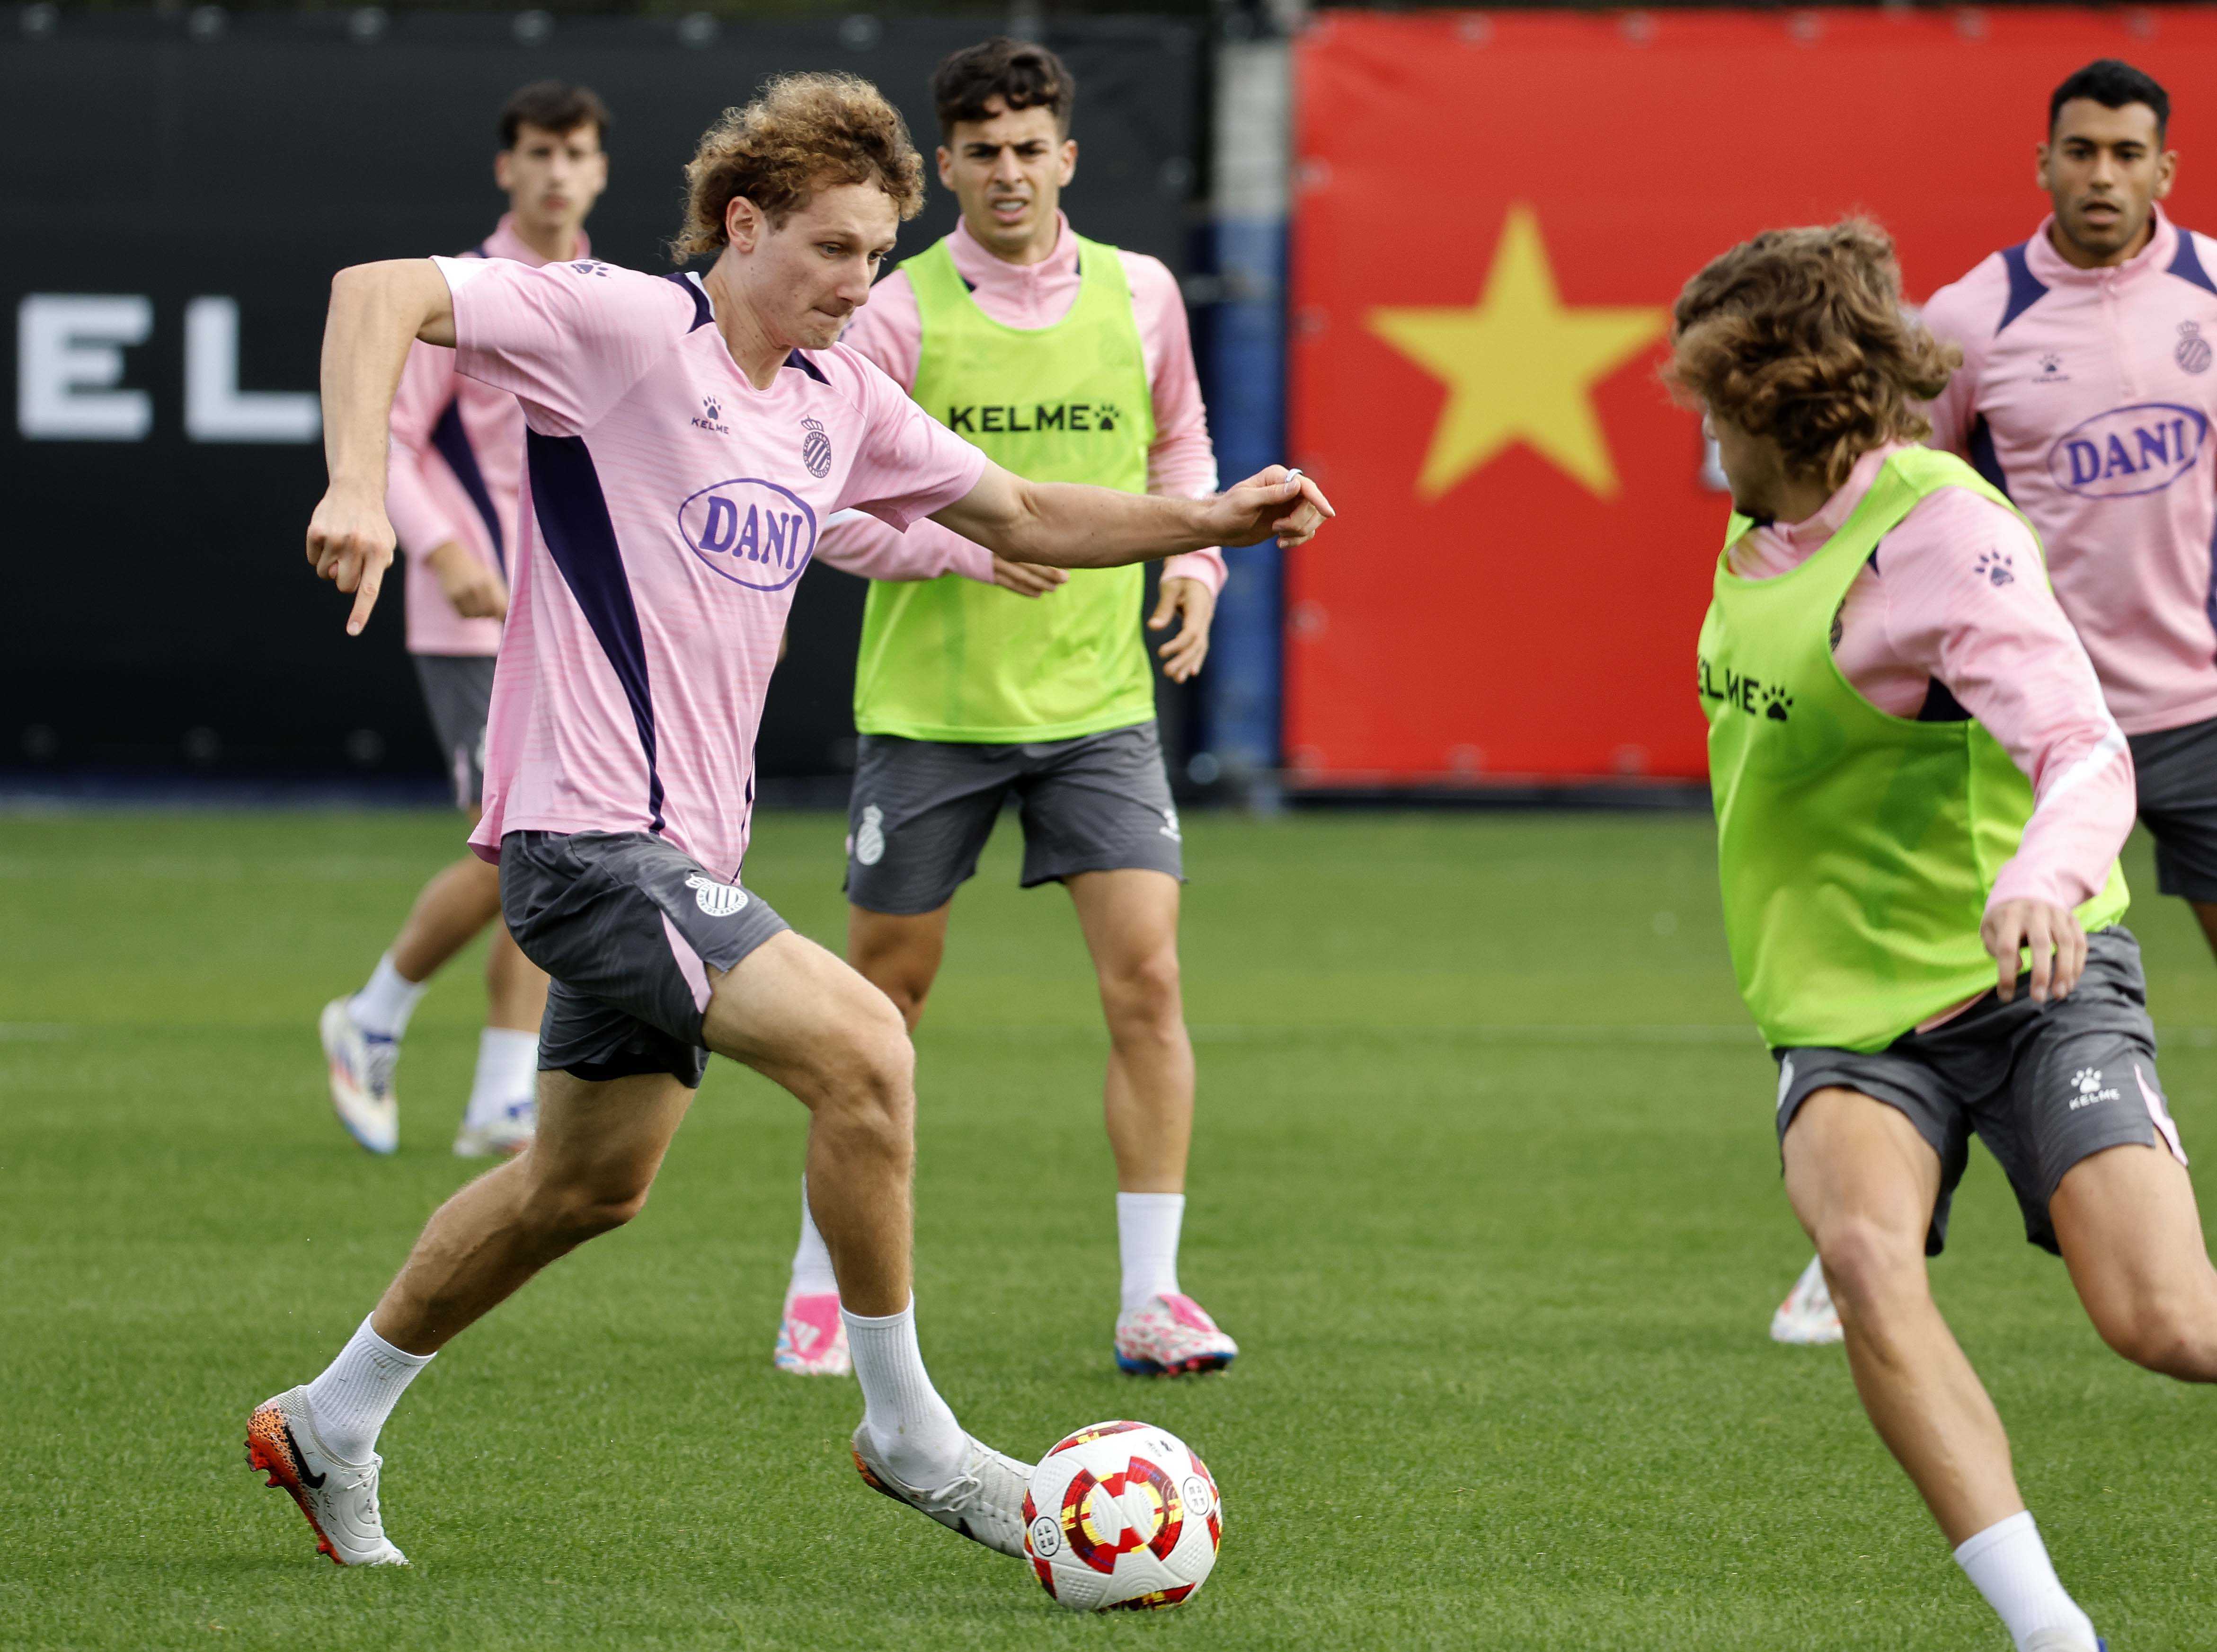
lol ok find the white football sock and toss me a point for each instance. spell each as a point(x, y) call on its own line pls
point(2010, 1564)
point(812, 1262)
point(384, 1005)
point(508, 1072)
point(352, 1399)
point(915, 1431)
point(1147, 1240)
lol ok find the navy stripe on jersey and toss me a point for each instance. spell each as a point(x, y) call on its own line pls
point(2209, 600)
point(452, 442)
point(703, 312)
point(2186, 264)
point(1984, 459)
point(573, 518)
point(1940, 706)
point(797, 360)
point(2026, 289)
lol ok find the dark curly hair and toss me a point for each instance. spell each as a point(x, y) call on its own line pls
point(801, 133)
point(1022, 74)
point(1801, 334)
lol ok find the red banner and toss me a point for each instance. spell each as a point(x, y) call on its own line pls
point(1493, 215)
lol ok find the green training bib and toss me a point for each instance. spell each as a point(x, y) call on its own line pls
point(1856, 849)
point(951, 659)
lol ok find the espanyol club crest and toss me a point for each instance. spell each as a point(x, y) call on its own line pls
point(2193, 352)
point(870, 842)
point(717, 900)
point(816, 448)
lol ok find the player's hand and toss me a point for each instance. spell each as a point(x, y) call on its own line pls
point(350, 544)
point(1196, 605)
point(2051, 934)
point(472, 589)
point(1273, 503)
point(1027, 579)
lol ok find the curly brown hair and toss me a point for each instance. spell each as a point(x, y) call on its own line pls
point(1801, 334)
point(801, 133)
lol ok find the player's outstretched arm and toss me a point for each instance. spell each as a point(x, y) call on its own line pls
point(377, 311)
point(1068, 525)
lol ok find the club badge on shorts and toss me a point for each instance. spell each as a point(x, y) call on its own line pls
point(717, 900)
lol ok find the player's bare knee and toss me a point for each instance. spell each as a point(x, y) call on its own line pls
point(866, 1076)
point(2176, 1338)
point(1868, 1265)
point(1143, 997)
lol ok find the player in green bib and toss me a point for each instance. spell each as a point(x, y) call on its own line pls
point(1920, 796)
point(1066, 360)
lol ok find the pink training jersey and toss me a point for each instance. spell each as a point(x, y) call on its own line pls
point(668, 509)
point(1951, 618)
point(457, 464)
point(1181, 463)
point(2087, 394)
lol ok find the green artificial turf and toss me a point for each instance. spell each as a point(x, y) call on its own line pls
point(1484, 1182)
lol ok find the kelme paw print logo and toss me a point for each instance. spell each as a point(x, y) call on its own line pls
point(1777, 704)
point(1105, 416)
point(1996, 567)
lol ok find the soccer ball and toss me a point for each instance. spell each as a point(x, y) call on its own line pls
point(1121, 1514)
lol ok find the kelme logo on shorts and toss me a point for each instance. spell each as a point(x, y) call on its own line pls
point(2128, 451)
point(717, 900)
point(870, 842)
point(751, 532)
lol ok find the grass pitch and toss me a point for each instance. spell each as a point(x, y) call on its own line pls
point(1484, 1183)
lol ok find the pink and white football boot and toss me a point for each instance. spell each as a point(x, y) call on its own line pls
point(1171, 1336)
point(812, 1338)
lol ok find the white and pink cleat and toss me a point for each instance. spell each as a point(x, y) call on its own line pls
point(812, 1338)
point(1171, 1336)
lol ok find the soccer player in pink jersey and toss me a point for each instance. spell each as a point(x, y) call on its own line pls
point(966, 701)
point(456, 475)
point(2086, 394)
point(686, 438)
point(1881, 650)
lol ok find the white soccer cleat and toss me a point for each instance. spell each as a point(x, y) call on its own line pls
point(506, 1135)
point(2064, 1640)
point(811, 1337)
point(984, 1502)
point(1807, 1316)
point(1171, 1336)
point(339, 1498)
point(362, 1078)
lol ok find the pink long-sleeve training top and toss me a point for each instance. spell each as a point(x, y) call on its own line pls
point(1181, 463)
point(455, 471)
point(2087, 394)
point(1953, 617)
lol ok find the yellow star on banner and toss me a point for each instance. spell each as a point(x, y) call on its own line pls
point(1519, 366)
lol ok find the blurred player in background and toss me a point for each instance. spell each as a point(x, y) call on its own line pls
point(457, 469)
point(1065, 360)
point(685, 436)
point(2087, 394)
point(1917, 785)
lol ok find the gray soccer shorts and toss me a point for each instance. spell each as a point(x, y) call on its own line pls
point(2042, 1085)
point(921, 810)
point(2177, 773)
point(458, 693)
point(627, 926)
